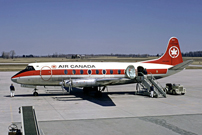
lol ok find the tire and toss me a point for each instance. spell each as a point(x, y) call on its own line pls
point(35, 94)
point(174, 92)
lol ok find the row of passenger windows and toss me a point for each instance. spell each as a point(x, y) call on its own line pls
point(96, 71)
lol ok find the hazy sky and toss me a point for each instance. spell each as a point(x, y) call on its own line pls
point(42, 27)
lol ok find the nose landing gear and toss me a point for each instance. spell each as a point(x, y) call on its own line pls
point(35, 93)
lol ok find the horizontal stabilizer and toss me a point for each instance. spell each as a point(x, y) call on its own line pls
point(182, 65)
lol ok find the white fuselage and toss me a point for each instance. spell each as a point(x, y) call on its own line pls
point(53, 73)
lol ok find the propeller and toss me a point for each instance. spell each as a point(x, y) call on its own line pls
point(66, 83)
point(62, 86)
point(69, 83)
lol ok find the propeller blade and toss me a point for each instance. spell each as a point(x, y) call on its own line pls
point(62, 86)
point(137, 86)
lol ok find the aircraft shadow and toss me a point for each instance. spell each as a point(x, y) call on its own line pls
point(105, 100)
point(78, 94)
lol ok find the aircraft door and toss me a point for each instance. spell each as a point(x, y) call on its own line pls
point(46, 73)
point(130, 72)
point(141, 71)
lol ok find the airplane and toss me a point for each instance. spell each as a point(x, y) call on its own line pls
point(96, 76)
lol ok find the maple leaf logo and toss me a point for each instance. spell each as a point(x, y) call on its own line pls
point(174, 52)
point(53, 66)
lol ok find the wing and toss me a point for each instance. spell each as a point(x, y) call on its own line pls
point(112, 81)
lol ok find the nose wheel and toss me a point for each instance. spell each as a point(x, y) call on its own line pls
point(35, 93)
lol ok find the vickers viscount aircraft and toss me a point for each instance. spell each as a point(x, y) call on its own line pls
point(98, 75)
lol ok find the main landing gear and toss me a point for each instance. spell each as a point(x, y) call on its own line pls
point(35, 93)
point(97, 90)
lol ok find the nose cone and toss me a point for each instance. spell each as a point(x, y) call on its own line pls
point(14, 79)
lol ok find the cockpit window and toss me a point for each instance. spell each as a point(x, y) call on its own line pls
point(28, 68)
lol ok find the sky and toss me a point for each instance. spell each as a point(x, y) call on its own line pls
point(46, 27)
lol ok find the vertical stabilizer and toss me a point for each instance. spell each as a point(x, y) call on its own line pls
point(172, 56)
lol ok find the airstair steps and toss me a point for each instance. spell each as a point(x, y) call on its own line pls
point(157, 86)
point(147, 81)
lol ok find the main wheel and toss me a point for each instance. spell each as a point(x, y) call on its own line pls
point(35, 94)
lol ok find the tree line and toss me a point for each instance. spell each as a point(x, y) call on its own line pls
point(11, 54)
point(192, 54)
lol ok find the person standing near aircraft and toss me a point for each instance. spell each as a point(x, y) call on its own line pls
point(145, 71)
point(152, 90)
point(12, 89)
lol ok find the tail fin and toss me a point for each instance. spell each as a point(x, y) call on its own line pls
point(172, 56)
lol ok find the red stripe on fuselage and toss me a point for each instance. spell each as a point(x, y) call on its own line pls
point(156, 71)
point(85, 72)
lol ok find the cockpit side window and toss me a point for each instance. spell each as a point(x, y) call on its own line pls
point(29, 68)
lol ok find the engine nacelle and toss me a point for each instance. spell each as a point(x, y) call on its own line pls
point(79, 83)
point(130, 72)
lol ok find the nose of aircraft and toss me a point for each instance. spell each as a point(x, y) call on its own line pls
point(14, 79)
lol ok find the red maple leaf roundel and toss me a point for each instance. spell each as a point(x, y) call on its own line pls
point(53, 66)
point(174, 52)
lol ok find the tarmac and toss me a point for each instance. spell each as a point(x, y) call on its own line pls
point(118, 112)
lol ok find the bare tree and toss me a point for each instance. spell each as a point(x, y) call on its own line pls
point(6, 55)
point(12, 53)
point(3, 54)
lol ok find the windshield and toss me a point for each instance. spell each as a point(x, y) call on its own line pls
point(28, 68)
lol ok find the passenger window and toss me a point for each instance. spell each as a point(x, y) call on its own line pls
point(89, 72)
point(104, 72)
point(65, 72)
point(81, 71)
point(119, 71)
point(111, 71)
point(73, 72)
point(97, 71)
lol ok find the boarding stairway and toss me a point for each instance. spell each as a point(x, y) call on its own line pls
point(146, 81)
point(29, 125)
point(29, 121)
